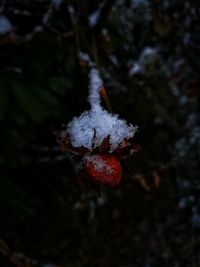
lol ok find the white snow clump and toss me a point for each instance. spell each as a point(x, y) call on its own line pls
point(98, 122)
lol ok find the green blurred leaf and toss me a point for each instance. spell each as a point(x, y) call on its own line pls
point(60, 85)
point(45, 98)
point(28, 103)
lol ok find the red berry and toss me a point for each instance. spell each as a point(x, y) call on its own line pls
point(104, 168)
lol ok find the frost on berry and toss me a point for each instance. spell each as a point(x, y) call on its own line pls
point(104, 168)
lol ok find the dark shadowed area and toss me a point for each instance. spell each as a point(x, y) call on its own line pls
point(147, 52)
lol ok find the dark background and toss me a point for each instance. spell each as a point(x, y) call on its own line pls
point(47, 218)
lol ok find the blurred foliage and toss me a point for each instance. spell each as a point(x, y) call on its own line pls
point(31, 92)
point(153, 217)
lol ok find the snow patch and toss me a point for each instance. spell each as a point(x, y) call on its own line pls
point(135, 69)
point(93, 18)
point(139, 3)
point(84, 57)
point(148, 57)
point(57, 3)
point(5, 25)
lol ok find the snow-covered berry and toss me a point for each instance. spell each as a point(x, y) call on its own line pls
point(99, 138)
